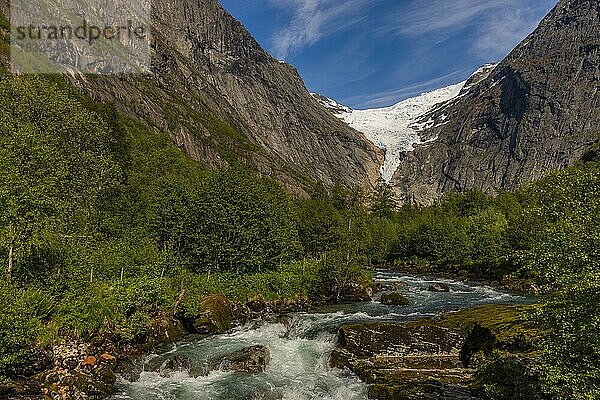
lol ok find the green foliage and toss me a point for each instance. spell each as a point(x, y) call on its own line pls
point(55, 169)
point(572, 352)
point(232, 222)
point(22, 319)
point(509, 378)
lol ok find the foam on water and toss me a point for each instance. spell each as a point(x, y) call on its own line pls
point(299, 367)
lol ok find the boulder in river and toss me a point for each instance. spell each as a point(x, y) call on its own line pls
point(165, 329)
point(394, 299)
point(439, 287)
point(174, 364)
point(216, 316)
point(251, 359)
point(354, 292)
point(389, 286)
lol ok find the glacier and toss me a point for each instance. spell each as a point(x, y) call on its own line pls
point(396, 129)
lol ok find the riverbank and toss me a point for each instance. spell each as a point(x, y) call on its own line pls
point(283, 338)
point(300, 346)
point(87, 366)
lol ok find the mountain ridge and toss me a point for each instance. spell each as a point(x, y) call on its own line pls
point(395, 129)
point(223, 99)
point(536, 112)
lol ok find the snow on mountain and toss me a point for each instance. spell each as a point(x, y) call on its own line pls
point(331, 104)
point(396, 129)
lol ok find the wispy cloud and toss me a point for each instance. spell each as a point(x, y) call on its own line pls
point(499, 25)
point(313, 20)
point(386, 98)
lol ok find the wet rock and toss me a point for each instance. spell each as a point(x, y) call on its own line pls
point(131, 369)
point(439, 288)
point(431, 359)
point(389, 287)
point(251, 359)
point(216, 317)
point(176, 363)
point(479, 339)
point(394, 299)
point(165, 329)
point(425, 391)
point(354, 292)
point(166, 366)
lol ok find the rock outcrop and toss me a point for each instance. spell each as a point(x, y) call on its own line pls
point(216, 316)
point(251, 359)
point(439, 287)
point(433, 359)
point(536, 111)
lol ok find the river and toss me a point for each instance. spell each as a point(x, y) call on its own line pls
point(299, 349)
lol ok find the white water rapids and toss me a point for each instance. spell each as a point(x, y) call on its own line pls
point(299, 367)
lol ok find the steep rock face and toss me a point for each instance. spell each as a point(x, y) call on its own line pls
point(536, 111)
point(223, 99)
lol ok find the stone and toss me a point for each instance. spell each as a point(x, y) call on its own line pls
point(108, 359)
point(89, 360)
point(165, 329)
point(389, 287)
point(176, 363)
point(354, 292)
point(131, 369)
point(394, 299)
point(430, 359)
point(439, 288)
point(253, 359)
point(216, 317)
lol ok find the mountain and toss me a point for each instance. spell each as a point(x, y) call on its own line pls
point(536, 111)
point(396, 129)
point(223, 99)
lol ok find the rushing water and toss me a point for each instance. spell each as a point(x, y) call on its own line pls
point(299, 352)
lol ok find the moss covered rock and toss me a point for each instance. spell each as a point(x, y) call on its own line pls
point(165, 329)
point(426, 357)
point(216, 316)
point(394, 299)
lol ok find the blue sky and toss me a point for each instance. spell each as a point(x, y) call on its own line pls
point(374, 53)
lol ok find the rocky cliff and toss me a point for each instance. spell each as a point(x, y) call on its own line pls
point(536, 111)
point(225, 100)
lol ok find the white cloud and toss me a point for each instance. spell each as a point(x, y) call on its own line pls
point(389, 97)
point(499, 25)
point(313, 20)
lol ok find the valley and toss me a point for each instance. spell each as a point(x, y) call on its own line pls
point(213, 230)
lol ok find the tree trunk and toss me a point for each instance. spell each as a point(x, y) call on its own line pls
point(10, 261)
